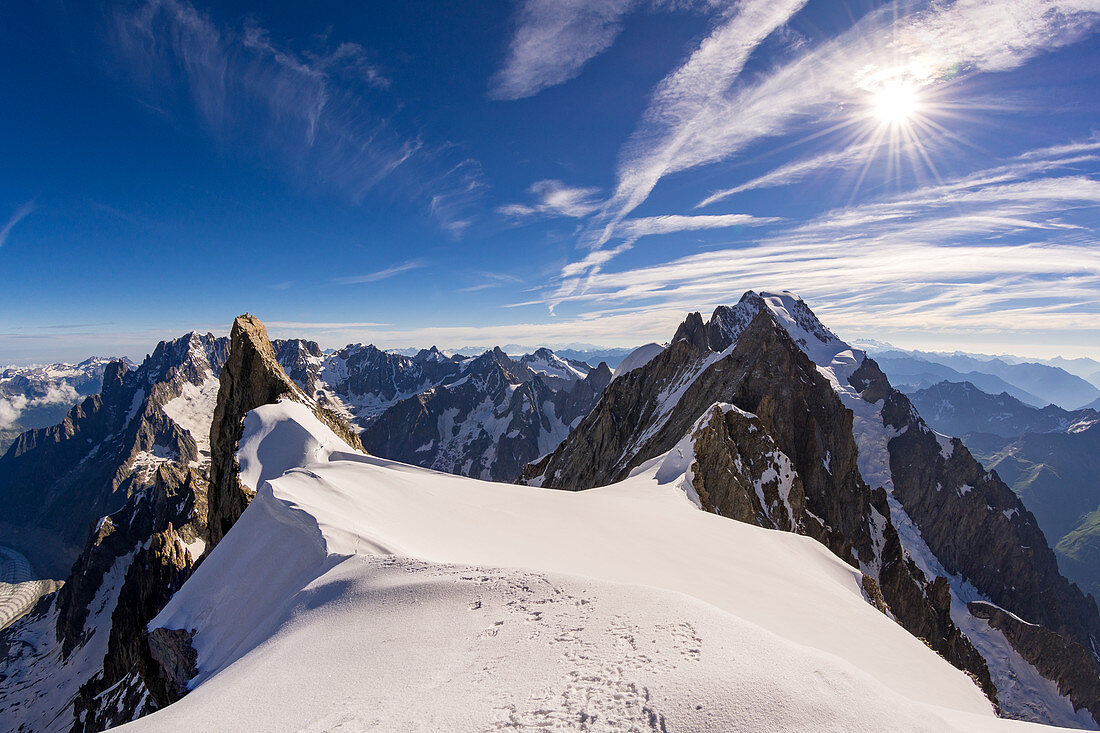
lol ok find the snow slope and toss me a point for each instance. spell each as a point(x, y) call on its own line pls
point(638, 358)
point(357, 593)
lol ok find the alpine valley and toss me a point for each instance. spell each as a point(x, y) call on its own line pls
point(746, 528)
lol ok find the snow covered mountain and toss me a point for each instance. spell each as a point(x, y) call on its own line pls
point(56, 481)
point(278, 577)
point(358, 593)
point(938, 538)
point(485, 416)
point(39, 396)
point(493, 418)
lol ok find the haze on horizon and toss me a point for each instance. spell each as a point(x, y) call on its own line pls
point(548, 171)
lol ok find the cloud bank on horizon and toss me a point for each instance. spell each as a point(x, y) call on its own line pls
point(559, 171)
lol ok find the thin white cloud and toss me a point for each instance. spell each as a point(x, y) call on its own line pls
point(554, 39)
point(372, 277)
point(798, 170)
point(322, 111)
point(20, 214)
point(554, 198)
point(490, 280)
point(632, 229)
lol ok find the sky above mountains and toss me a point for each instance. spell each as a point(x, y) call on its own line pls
point(548, 171)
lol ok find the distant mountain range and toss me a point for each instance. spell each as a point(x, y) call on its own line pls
point(39, 396)
point(1050, 457)
point(200, 503)
point(1032, 383)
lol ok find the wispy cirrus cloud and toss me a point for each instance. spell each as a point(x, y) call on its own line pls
point(489, 280)
point(553, 40)
point(372, 277)
point(995, 250)
point(633, 229)
point(705, 111)
point(797, 170)
point(554, 198)
point(856, 154)
point(20, 214)
point(324, 111)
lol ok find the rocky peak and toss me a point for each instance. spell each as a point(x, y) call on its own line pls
point(251, 377)
point(784, 422)
point(600, 377)
point(431, 354)
point(113, 377)
point(693, 331)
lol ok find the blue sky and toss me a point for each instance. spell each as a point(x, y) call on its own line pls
point(548, 171)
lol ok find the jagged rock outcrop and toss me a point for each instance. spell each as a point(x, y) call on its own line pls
point(739, 472)
point(252, 377)
point(1065, 662)
point(154, 537)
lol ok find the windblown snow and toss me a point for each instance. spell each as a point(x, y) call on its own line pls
point(358, 593)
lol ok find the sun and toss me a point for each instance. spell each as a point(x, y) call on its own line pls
point(895, 104)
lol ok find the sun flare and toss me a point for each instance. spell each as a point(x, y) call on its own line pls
point(895, 104)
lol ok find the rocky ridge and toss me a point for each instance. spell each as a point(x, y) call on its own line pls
point(875, 479)
point(82, 659)
point(493, 418)
point(252, 377)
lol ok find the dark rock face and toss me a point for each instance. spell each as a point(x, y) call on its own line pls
point(960, 408)
point(644, 413)
point(252, 377)
point(56, 481)
point(1067, 663)
point(739, 472)
point(976, 526)
point(171, 649)
point(131, 682)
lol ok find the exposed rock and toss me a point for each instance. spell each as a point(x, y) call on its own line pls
point(1065, 662)
point(252, 377)
point(171, 649)
point(740, 473)
point(976, 526)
